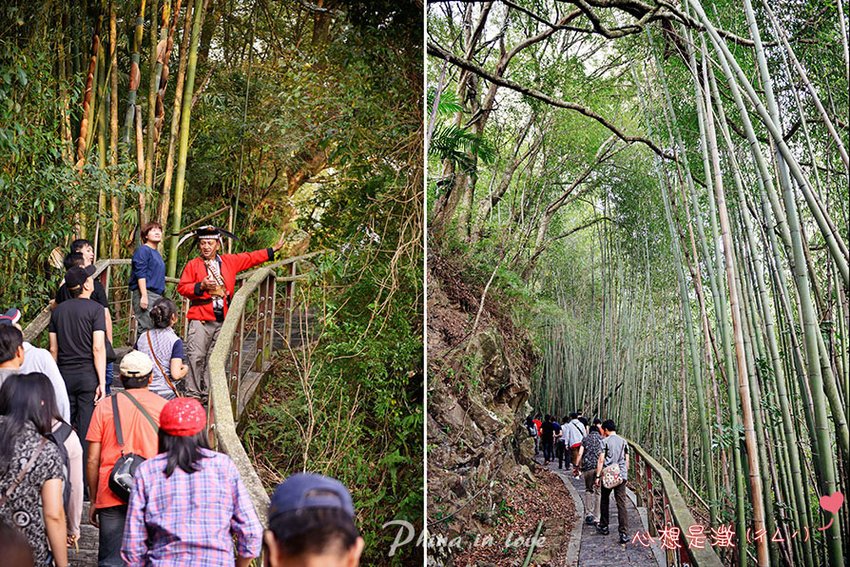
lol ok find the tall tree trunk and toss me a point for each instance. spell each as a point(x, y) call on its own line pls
point(113, 128)
point(183, 149)
point(135, 72)
point(165, 198)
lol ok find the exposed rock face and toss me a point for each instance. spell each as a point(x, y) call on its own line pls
point(477, 392)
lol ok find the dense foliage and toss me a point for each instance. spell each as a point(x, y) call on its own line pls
point(306, 117)
point(641, 222)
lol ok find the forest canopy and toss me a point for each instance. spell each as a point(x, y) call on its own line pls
point(293, 116)
point(660, 192)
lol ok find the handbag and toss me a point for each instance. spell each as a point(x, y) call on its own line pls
point(122, 473)
point(111, 356)
point(611, 476)
point(161, 369)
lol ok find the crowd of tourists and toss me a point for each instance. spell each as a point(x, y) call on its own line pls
point(139, 452)
point(593, 452)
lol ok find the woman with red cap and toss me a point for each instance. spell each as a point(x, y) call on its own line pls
point(188, 502)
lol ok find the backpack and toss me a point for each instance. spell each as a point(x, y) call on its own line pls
point(59, 437)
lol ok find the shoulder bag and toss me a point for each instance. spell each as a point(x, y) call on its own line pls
point(23, 473)
point(159, 365)
point(611, 476)
point(121, 476)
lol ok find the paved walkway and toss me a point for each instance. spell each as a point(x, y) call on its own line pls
point(605, 551)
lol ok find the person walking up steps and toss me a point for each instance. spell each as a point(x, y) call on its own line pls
point(588, 456)
point(164, 348)
point(127, 422)
point(613, 464)
point(77, 333)
point(189, 505)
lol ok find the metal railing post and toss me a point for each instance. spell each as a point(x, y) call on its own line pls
point(270, 313)
point(235, 363)
point(290, 303)
point(262, 323)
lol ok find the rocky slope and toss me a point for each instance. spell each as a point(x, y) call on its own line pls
point(482, 480)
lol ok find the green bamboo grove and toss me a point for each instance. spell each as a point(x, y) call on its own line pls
point(706, 311)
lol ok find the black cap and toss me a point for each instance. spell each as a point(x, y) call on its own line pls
point(76, 276)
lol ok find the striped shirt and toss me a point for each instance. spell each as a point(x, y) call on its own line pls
point(188, 519)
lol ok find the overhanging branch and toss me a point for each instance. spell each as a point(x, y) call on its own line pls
point(437, 51)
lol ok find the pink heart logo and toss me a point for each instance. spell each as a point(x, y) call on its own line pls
point(832, 502)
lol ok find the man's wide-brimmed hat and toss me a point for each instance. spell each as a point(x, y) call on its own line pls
point(206, 231)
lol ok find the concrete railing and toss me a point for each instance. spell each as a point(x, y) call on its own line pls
point(666, 507)
point(227, 363)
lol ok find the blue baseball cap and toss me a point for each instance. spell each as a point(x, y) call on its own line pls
point(303, 491)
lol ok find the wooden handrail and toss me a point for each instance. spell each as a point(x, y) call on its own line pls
point(680, 513)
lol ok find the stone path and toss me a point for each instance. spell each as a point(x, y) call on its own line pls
point(605, 551)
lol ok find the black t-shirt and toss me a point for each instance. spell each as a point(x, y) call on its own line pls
point(547, 431)
point(74, 321)
point(98, 295)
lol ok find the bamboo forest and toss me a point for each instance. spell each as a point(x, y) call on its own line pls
point(639, 210)
point(288, 126)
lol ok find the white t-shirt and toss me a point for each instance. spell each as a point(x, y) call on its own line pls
point(575, 432)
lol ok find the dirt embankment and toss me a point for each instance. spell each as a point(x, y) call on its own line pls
point(485, 494)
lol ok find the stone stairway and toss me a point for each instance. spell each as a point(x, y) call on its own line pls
point(86, 554)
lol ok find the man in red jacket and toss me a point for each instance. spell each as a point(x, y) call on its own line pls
point(208, 282)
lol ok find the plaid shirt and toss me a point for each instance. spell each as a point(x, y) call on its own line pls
point(188, 519)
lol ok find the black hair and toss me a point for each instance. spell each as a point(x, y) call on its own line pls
point(584, 421)
point(609, 425)
point(573, 416)
point(162, 311)
point(566, 420)
point(136, 382)
point(73, 259)
point(597, 421)
point(79, 244)
point(314, 531)
point(14, 546)
point(547, 418)
point(183, 451)
point(21, 403)
point(147, 228)
point(11, 338)
point(42, 384)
